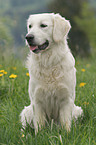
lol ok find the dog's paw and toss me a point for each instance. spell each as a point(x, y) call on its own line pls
point(26, 115)
point(77, 112)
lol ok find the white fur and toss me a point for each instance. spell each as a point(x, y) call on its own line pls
point(52, 74)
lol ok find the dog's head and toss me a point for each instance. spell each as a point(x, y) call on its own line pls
point(44, 30)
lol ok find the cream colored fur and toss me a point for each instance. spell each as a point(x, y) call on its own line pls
point(52, 75)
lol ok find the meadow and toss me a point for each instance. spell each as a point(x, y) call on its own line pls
point(14, 96)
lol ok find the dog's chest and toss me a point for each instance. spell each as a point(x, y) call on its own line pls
point(49, 75)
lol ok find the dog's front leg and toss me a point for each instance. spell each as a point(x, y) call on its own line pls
point(39, 118)
point(39, 109)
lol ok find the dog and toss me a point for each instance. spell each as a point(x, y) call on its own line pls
point(52, 73)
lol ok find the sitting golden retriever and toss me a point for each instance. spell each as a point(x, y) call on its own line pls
point(52, 72)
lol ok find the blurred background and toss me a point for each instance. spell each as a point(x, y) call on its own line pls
point(13, 19)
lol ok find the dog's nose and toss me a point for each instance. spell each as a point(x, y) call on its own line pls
point(29, 37)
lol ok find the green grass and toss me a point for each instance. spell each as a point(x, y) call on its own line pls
point(14, 96)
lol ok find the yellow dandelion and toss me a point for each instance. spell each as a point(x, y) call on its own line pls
point(13, 76)
point(23, 135)
point(87, 65)
point(1, 75)
point(82, 84)
point(27, 74)
point(1, 71)
point(5, 72)
point(83, 70)
point(86, 103)
point(14, 68)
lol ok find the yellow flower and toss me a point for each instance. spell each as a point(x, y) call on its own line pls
point(86, 103)
point(5, 72)
point(14, 68)
point(23, 135)
point(27, 74)
point(1, 75)
point(83, 70)
point(82, 84)
point(1, 71)
point(87, 65)
point(13, 76)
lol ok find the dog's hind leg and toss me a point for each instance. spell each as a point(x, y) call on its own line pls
point(26, 116)
point(66, 114)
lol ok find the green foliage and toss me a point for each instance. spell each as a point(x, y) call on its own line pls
point(14, 96)
point(6, 40)
point(4, 5)
point(5, 37)
point(14, 13)
point(18, 11)
point(87, 23)
point(80, 18)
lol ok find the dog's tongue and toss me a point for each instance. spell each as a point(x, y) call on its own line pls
point(32, 48)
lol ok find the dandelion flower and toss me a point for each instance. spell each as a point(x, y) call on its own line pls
point(14, 68)
point(13, 76)
point(86, 103)
point(27, 74)
point(83, 70)
point(82, 84)
point(23, 135)
point(87, 65)
point(5, 72)
point(1, 75)
point(1, 71)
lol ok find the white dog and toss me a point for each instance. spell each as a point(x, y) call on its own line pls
point(52, 73)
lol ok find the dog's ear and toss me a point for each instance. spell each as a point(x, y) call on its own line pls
point(61, 28)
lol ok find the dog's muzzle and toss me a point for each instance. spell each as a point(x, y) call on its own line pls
point(36, 48)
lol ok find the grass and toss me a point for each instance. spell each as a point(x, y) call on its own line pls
point(14, 96)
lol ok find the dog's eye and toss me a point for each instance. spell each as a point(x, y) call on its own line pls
point(43, 25)
point(30, 26)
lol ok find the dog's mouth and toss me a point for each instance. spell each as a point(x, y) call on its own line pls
point(39, 48)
